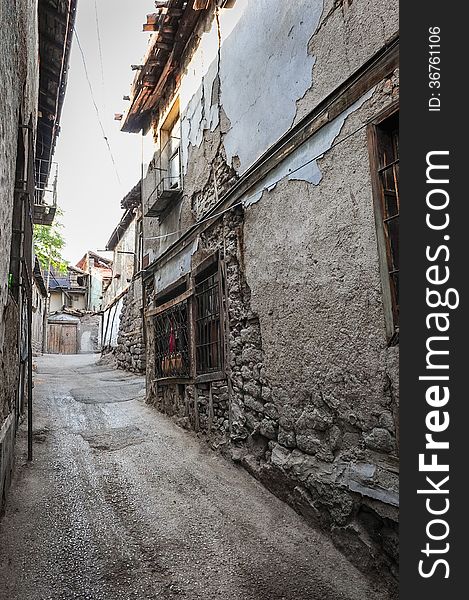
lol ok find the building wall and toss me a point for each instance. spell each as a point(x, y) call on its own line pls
point(37, 326)
point(88, 334)
point(88, 329)
point(122, 265)
point(309, 403)
point(56, 301)
point(130, 351)
point(19, 84)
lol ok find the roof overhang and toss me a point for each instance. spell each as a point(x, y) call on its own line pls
point(173, 25)
point(130, 202)
point(56, 22)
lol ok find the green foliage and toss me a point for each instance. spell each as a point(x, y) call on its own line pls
point(48, 246)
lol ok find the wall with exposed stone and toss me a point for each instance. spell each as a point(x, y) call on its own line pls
point(130, 351)
point(309, 404)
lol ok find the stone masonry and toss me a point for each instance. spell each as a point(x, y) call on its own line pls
point(130, 351)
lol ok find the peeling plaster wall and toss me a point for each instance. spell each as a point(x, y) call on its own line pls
point(310, 404)
point(349, 33)
point(315, 287)
point(271, 41)
point(302, 163)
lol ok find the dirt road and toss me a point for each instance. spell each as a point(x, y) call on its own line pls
point(120, 503)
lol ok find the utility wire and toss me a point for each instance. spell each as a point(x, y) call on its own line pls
point(100, 52)
point(96, 107)
point(271, 185)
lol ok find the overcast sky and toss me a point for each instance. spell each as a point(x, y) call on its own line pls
point(89, 192)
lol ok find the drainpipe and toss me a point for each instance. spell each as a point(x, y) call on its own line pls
point(30, 373)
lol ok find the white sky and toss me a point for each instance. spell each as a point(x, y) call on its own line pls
point(88, 190)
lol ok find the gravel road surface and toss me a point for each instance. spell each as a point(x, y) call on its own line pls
point(121, 504)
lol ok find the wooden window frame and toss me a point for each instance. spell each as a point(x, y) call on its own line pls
point(183, 290)
point(210, 266)
point(390, 306)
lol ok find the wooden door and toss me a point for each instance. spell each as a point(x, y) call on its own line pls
point(69, 339)
point(62, 338)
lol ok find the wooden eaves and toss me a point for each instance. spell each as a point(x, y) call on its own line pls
point(56, 23)
point(173, 25)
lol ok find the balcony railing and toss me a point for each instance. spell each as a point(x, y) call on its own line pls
point(164, 177)
point(45, 192)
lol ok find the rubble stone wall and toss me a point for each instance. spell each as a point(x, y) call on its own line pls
point(130, 351)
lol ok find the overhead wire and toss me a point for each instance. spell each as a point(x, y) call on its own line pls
point(271, 185)
point(100, 53)
point(96, 106)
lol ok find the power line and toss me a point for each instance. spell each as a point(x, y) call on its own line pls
point(96, 106)
point(243, 202)
point(100, 52)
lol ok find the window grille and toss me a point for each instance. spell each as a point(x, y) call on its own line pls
point(208, 325)
point(388, 156)
point(172, 342)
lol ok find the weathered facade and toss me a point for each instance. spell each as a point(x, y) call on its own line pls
point(270, 227)
point(73, 328)
point(122, 327)
point(68, 289)
point(35, 40)
point(99, 272)
point(39, 309)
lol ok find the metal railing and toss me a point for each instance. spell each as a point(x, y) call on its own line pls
point(46, 174)
point(166, 170)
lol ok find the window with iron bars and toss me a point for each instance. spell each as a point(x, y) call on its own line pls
point(172, 342)
point(208, 343)
point(385, 170)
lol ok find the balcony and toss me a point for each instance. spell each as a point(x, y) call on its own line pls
point(163, 185)
point(45, 192)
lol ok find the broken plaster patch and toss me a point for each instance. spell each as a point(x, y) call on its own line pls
point(302, 163)
point(263, 74)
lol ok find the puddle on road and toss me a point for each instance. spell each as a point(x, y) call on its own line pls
point(108, 394)
point(114, 439)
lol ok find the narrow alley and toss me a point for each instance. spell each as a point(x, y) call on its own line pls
point(120, 503)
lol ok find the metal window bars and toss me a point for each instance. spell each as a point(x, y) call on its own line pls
point(46, 174)
point(172, 342)
point(390, 201)
point(208, 325)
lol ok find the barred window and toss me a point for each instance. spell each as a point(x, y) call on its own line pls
point(172, 342)
point(208, 323)
point(389, 177)
point(384, 154)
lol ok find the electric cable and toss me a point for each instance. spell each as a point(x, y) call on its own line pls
point(100, 53)
point(96, 106)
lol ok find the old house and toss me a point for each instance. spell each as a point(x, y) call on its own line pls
point(122, 329)
point(271, 219)
point(68, 289)
point(99, 271)
point(35, 39)
point(72, 327)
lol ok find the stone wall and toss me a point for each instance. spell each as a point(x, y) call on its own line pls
point(130, 351)
point(19, 84)
point(88, 334)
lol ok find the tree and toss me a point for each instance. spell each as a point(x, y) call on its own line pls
point(48, 244)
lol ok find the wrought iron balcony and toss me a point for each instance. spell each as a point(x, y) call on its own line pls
point(163, 183)
point(45, 192)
